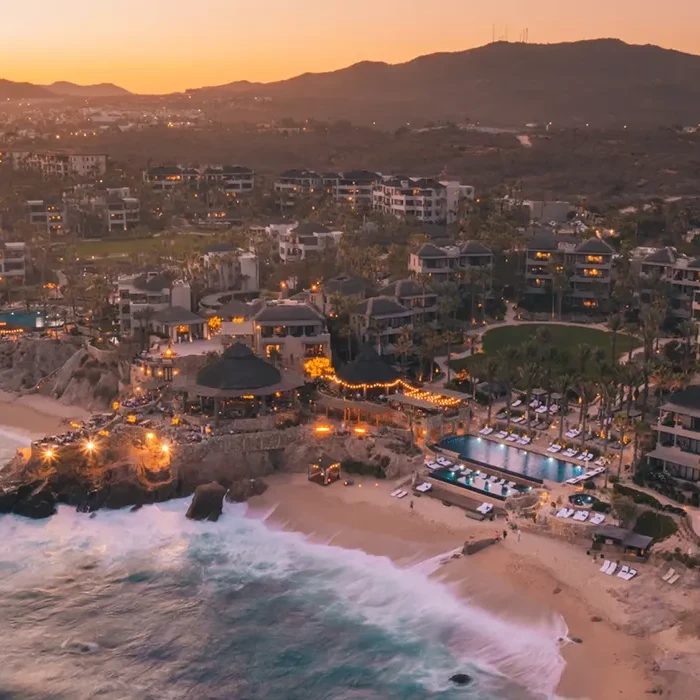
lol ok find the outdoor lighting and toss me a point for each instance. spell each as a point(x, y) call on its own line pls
point(90, 446)
point(150, 436)
point(322, 429)
point(361, 431)
point(165, 449)
point(49, 453)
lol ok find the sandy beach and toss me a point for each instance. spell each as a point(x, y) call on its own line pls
point(528, 580)
point(35, 416)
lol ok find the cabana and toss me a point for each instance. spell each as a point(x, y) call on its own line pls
point(368, 372)
point(629, 542)
point(324, 470)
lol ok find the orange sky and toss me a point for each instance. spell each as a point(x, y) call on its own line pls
point(159, 46)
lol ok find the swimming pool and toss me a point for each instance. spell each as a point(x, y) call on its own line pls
point(512, 459)
point(22, 319)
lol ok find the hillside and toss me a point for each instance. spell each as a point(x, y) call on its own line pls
point(13, 91)
point(67, 89)
point(602, 81)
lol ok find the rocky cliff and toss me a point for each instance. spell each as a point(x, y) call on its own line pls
point(25, 363)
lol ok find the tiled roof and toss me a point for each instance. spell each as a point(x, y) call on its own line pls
point(345, 285)
point(665, 255)
point(428, 250)
point(309, 228)
point(405, 288)
point(280, 313)
point(177, 314)
point(595, 245)
point(475, 248)
point(380, 306)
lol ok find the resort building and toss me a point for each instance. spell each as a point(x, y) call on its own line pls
point(295, 182)
point(122, 213)
point(677, 449)
point(681, 277)
point(231, 269)
point(379, 322)
point(419, 299)
point(586, 268)
point(291, 332)
point(60, 164)
point(164, 177)
point(424, 199)
point(345, 287)
point(355, 187)
point(307, 240)
point(236, 180)
point(14, 258)
point(140, 297)
point(179, 325)
point(50, 215)
point(442, 264)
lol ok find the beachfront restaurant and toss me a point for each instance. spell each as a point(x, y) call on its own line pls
point(324, 470)
point(180, 325)
point(368, 376)
point(238, 384)
point(624, 541)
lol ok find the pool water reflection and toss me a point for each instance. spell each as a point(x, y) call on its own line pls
point(513, 459)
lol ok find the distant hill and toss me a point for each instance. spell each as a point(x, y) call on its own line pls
point(603, 81)
point(72, 90)
point(13, 91)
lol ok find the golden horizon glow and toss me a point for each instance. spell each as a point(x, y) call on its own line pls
point(162, 46)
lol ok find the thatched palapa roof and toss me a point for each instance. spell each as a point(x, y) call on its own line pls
point(367, 369)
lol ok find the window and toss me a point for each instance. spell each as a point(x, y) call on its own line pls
point(592, 272)
point(539, 255)
point(594, 259)
point(273, 351)
point(315, 350)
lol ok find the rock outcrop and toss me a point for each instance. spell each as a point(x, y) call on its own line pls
point(208, 502)
point(25, 363)
point(241, 491)
point(87, 381)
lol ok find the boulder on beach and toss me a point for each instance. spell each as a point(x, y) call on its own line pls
point(461, 679)
point(477, 546)
point(241, 491)
point(39, 503)
point(207, 503)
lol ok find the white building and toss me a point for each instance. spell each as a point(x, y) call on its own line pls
point(355, 187)
point(232, 269)
point(50, 215)
point(122, 213)
point(304, 241)
point(291, 332)
point(294, 182)
point(425, 199)
point(60, 164)
point(14, 260)
point(140, 297)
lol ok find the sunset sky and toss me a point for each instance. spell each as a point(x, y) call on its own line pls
point(159, 46)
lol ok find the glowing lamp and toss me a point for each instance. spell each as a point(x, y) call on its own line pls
point(90, 446)
point(361, 431)
point(165, 449)
point(49, 453)
point(150, 436)
point(323, 429)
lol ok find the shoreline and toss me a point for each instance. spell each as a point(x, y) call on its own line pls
point(34, 415)
point(532, 581)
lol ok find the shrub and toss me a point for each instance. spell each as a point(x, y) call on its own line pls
point(674, 510)
point(695, 499)
point(614, 479)
point(639, 497)
point(655, 525)
point(625, 508)
point(601, 507)
point(353, 466)
point(589, 485)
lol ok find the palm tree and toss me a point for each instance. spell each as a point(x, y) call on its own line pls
point(560, 284)
point(688, 330)
point(584, 352)
point(587, 391)
point(615, 325)
point(563, 384)
point(530, 375)
point(491, 369)
point(404, 345)
point(507, 360)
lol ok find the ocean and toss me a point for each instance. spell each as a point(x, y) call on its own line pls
point(149, 605)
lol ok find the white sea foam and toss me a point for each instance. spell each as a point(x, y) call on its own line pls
point(350, 583)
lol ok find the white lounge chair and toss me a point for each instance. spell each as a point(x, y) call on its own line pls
point(672, 580)
point(588, 457)
point(541, 409)
point(612, 569)
point(424, 487)
point(668, 575)
point(502, 435)
point(582, 516)
point(512, 437)
point(518, 419)
point(605, 566)
point(403, 494)
point(511, 484)
point(599, 462)
point(517, 403)
point(623, 572)
point(395, 493)
point(483, 431)
point(432, 465)
point(597, 519)
point(485, 508)
point(488, 431)
point(554, 410)
point(630, 575)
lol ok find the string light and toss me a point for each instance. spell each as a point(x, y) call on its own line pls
point(377, 385)
point(430, 397)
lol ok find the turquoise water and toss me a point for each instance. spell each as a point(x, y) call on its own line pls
point(511, 458)
point(148, 605)
point(31, 320)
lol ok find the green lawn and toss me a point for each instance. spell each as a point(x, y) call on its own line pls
point(562, 337)
point(124, 248)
